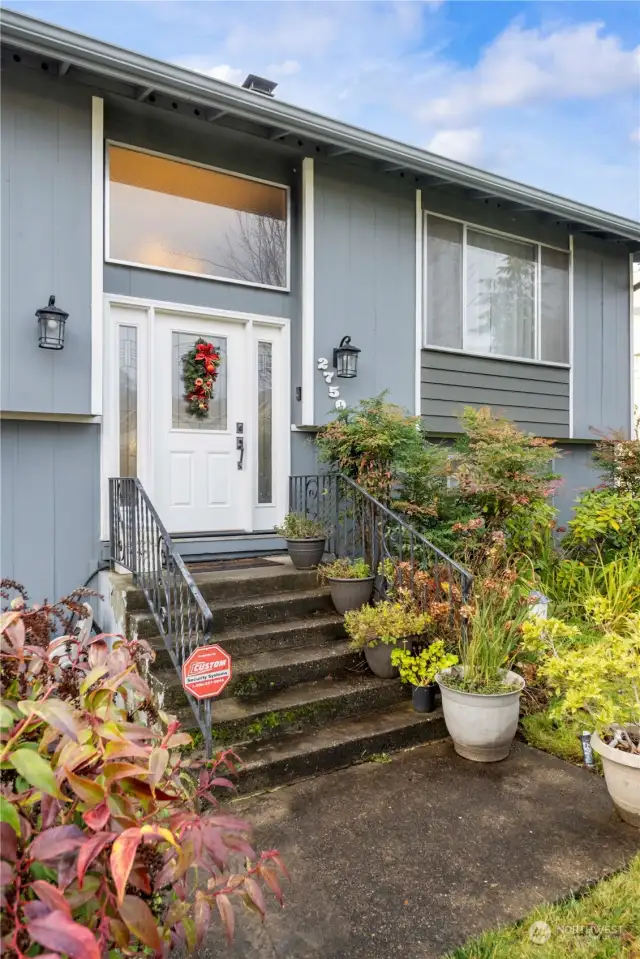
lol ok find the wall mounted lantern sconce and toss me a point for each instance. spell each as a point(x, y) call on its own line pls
point(345, 358)
point(51, 321)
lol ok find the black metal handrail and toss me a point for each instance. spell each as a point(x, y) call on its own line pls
point(140, 543)
point(360, 526)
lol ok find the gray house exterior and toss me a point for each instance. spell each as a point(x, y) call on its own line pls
point(459, 288)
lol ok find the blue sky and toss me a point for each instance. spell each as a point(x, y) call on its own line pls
point(544, 92)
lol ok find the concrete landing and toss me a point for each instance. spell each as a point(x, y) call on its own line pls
point(413, 857)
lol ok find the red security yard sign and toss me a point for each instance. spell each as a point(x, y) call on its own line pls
point(206, 672)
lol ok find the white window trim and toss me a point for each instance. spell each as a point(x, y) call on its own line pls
point(307, 409)
point(420, 281)
point(536, 360)
point(144, 321)
point(204, 166)
point(97, 250)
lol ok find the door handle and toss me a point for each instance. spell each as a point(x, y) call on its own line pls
point(240, 446)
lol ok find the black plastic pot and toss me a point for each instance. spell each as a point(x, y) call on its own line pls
point(424, 698)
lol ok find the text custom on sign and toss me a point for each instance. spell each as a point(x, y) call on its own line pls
point(206, 672)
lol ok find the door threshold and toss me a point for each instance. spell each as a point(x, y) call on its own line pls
point(223, 535)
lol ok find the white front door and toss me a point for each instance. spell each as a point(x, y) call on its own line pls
point(202, 476)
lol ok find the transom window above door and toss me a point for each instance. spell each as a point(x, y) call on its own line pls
point(168, 214)
point(493, 294)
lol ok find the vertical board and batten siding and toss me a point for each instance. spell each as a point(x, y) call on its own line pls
point(46, 240)
point(536, 397)
point(602, 344)
point(139, 126)
point(365, 241)
point(50, 505)
point(579, 473)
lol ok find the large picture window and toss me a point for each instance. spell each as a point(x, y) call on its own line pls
point(495, 295)
point(171, 215)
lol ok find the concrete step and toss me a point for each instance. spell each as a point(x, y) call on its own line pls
point(245, 583)
point(250, 640)
point(269, 671)
point(304, 706)
point(335, 745)
point(279, 607)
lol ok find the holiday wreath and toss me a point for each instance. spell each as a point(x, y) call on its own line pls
point(200, 371)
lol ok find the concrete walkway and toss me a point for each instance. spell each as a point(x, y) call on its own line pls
point(412, 857)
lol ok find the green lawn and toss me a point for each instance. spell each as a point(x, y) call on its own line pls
point(602, 924)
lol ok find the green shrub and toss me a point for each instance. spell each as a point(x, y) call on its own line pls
point(505, 474)
point(605, 522)
point(373, 443)
point(298, 526)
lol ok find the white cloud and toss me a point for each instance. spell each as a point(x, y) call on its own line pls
point(285, 69)
point(634, 136)
point(387, 66)
point(219, 71)
point(465, 145)
point(553, 63)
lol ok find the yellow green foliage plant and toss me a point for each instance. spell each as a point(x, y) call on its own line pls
point(603, 680)
point(387, 622)
point(420, 669)
point(344, 569)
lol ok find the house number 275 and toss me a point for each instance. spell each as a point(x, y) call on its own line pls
point(334, 392)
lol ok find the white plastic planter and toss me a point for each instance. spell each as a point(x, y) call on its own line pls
point(622, 776)
point(482, 726)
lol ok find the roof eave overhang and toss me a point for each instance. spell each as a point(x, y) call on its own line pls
point(153, 75)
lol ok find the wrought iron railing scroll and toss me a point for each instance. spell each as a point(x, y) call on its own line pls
point(360, 526)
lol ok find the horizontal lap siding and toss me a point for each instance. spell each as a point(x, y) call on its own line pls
point(536, 397)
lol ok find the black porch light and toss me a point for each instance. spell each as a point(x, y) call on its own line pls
point(51, 320)
point(345, 358)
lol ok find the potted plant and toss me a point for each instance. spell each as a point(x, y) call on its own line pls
point(419, 669)
point(380, 629)
point(351, 583)
point(481, 696)
point(602, 681)
point(305, 539)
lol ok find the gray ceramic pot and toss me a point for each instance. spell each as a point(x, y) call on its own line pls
point(350, 593)
point(379, 658)
point(306, 553)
